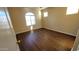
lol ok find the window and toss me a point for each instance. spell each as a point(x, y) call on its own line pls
point(72, 10)
point(45, 14)
point(39, 12)
point(30, 19)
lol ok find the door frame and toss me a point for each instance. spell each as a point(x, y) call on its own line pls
point(11, 27)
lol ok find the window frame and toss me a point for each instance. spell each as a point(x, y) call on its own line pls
point(30, 14)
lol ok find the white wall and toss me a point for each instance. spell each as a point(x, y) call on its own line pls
point(18, 18)
point(76, 43)
point(57, 20)
point(7, 36)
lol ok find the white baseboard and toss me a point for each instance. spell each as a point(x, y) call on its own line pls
point(24, 31)
point(49, 29)
point(21, 32)
point(62, 32)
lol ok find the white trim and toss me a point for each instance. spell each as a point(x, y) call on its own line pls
point(25, 31)
point(11, 27)
point(43, 8)
point(21, 32)
point(62, 32)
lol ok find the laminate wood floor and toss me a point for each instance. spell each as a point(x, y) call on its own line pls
point(45, 40)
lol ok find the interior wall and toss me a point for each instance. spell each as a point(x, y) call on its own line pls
point(18, 18)
point(7, 35)
point(57, 20)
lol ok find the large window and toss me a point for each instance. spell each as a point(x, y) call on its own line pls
point(45, 14)
point(72, 10)
point(30, 19)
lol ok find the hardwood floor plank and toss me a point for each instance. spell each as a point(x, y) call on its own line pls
point(45, 40)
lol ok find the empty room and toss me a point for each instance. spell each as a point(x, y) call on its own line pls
point(40, 28)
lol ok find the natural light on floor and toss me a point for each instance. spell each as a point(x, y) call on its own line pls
point(31, 27)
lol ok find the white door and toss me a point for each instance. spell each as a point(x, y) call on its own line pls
point(7, 35)
point(76, 43)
